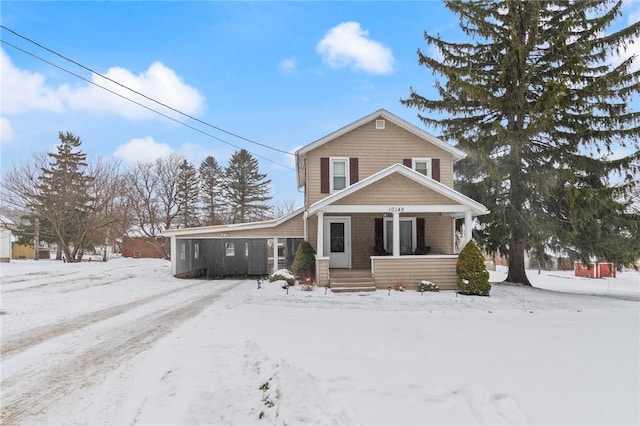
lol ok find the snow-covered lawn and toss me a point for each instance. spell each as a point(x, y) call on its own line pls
point(124, 342)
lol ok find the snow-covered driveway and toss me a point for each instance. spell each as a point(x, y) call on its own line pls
point(125, 343)
point(88, 319)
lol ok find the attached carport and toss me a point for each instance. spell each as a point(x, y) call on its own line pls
point(235, 249)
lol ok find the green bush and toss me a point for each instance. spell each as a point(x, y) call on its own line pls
point(304, 264)
point(473, 277)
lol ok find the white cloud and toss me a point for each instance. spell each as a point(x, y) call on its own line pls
point(349, 45)
point(158, 82)
point(288, 65)
point(6, 131)
point(24, 91)
point(142, 150)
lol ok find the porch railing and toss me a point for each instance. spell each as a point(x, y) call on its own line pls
point(388, 271)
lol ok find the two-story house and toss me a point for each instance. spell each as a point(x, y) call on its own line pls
point(379, 204)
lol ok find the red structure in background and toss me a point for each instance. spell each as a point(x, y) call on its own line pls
point(145, 247)
point(595, 270)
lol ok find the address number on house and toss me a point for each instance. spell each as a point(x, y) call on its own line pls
point(393, 209)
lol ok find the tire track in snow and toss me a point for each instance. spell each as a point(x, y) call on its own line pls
point(52, 279)
point(23, 341)
point(43, 388)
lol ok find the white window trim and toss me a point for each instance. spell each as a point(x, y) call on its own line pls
point(414, 236)
point(421, 160)
point(333, 160)
point(229, 249)
point(183, 250)
point(196, 250)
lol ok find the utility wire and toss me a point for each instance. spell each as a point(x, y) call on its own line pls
point(142, 105)
point(142, 94)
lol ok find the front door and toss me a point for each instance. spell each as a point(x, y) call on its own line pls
point(337, 241)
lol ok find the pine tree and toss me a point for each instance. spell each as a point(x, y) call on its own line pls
point(187, 195)
point(63, 201)
point(535, 103)
point(211, 178)
point(246, 189)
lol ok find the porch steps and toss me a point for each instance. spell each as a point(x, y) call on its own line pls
point(352, 283)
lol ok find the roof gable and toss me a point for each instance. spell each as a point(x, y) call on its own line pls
point(427, 182)
point(301, 153)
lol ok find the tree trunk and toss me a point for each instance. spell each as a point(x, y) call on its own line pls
point(517, 273)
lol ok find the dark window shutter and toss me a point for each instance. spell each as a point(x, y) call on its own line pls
point(379, 232)
point(407, 162)
point(435, 169)
point(324, 175)
point(353, 170)
point(420, 232)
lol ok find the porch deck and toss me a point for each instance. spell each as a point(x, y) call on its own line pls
point(388, 271)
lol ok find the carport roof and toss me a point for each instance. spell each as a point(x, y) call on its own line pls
point(230, 227)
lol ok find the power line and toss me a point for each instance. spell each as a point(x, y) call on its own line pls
point(142, 105)
point(138, 93)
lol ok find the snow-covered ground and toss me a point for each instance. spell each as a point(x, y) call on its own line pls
point(124, 342)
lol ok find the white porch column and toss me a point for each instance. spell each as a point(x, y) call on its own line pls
point(396, 233)
point(275, 254)
point(320, 236)
point(467, 227)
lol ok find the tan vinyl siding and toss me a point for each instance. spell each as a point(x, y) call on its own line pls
point(439, 233)
point(362, 240)
point(375, 150)
point(398, 188)
point(409, 270)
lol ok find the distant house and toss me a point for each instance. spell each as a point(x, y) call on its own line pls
point(5, 240)
point(145, 247)
point(379, 205)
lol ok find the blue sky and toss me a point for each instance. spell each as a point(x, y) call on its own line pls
point(280, 73)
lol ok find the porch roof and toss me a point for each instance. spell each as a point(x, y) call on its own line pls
point(460, 203)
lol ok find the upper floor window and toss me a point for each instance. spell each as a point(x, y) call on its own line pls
point(422, 165)
point(339, 173)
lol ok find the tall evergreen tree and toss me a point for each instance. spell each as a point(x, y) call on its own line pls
point(63, 201)
point(211, 178)
point(533, 100)
point(246, 189)
point(187, 195)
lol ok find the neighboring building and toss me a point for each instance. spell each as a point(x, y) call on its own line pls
point(145, 247)
point(379, 203)
point(5, 240)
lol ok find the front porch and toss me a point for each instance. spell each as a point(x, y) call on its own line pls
point(390, 271)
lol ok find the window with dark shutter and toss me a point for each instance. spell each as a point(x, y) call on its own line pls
point(407, 162)
point(353, 170)
point(420, 232)
point(379, 235)
point(324, 175)
point(435, 169)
